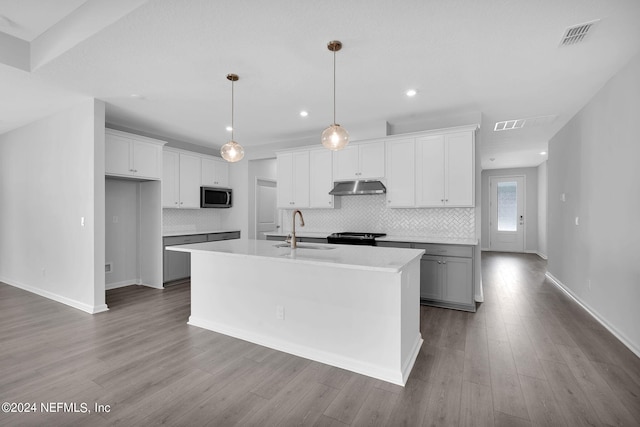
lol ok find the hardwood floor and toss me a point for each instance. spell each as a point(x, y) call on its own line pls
point(529, 356)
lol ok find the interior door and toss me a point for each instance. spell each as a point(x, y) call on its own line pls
point(266, 210)
point(507, 213)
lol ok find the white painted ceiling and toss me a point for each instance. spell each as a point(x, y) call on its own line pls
point(498, 58)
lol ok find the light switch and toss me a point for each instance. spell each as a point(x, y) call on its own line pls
point(81, 221)
point(563, 197)
point(577, 221)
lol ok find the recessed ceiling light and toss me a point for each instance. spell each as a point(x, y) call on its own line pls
point(229, 128)
point(304, 113)
point(136, 96)
point(542, 153)
point(411, 92)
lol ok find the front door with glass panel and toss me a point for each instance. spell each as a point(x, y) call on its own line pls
point(507, 213)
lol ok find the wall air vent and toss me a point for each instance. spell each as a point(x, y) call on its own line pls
point(509, 125)
point(577, 33)
point(108, 267)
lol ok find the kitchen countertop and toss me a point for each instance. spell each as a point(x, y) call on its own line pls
point(346, 256)
point(391, 238)
point(311, 234)
point(194, 232)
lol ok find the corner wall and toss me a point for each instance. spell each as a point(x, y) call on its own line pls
point(52, 176)
point(593, 160)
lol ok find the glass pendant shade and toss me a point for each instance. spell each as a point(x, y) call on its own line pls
point(232, 151)
point(335, 137)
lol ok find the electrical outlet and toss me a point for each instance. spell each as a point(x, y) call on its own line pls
point(279, 312)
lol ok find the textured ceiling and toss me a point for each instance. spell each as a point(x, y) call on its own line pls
point(500, 59)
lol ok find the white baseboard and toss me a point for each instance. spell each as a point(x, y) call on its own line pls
point(619, 335)
point(87, 308)
point(122, 284)
point(398, 376)
point(541, 255)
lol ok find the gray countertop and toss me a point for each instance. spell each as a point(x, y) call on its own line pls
point(390, 238)
point(194, 232)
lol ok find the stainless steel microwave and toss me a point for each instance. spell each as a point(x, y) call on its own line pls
point(213, 197)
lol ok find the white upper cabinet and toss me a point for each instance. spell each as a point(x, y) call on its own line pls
point(293, 180)
point(181, 180)
point(430, 171)
point(215, 173)
point(445, 170)
point(131, 155)
point(359, 161)
point(184, 172)
point(400, 173)
point(459, 163)
point(190, 175)
point(320, 178)
point(170, 179)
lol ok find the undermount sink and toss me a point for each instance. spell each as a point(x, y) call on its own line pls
point(303, 246)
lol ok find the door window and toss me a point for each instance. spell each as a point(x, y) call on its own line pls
point(507, 206)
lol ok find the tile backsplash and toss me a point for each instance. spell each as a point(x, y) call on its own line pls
point(370, 214)
point(188, 220)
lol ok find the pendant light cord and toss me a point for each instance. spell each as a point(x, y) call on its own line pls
point(334, 86)
point(232, 98)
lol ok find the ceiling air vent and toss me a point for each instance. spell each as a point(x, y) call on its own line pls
point(509, 125)
point(577, 33)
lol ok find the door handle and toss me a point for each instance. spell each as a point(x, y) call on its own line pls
point(521, 219)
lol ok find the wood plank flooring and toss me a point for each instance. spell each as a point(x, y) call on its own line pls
point(530, 356)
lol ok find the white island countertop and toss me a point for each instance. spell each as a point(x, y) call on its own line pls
point(370, 258)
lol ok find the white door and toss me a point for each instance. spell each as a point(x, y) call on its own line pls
point(266, 210)
point(507, 213)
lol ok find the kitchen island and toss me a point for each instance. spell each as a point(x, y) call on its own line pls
point(353, 307)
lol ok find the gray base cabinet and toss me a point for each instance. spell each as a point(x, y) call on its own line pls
point(177, 265)
point(446, 274)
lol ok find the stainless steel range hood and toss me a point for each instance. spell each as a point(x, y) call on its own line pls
point(356, 188)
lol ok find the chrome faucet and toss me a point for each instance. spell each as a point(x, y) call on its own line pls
point(293, 228)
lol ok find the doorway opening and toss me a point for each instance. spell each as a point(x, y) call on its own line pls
point(266, 214)
point(507, 213)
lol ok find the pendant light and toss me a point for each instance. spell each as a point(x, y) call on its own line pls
point(232, 151)
point(335, 137)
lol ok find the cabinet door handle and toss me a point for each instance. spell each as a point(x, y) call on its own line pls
point(176, 203)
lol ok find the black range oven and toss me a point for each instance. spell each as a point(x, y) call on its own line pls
point(351, 238)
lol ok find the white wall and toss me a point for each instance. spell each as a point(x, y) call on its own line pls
point(531, 205)
point(121, 237)
point(51, 176)
point(593, 160)
point(542, 210)
point(237, 217)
